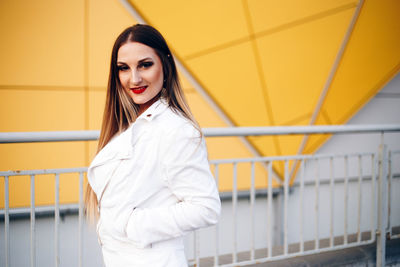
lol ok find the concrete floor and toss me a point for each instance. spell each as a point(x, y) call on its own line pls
point(356, 256)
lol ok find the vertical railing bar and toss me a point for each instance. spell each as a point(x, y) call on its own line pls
point(301, 205)
point(252, 203)
point(197, 247)
point(194, 248)
point(80, 231)
point(234, 207)
point(57, 221)
point(216, 257)
point(7, 221)
point(389, 200)
point(317, 204)
point(382, 212)
point(332, 206)
point(346, 178)
point(359, 198)
point(373, 198)
point(33, 221)
point(269, 211)
point(285, 209)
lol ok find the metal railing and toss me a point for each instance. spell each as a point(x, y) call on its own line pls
point(341, 239)
point(33, 174)
point(376, 177)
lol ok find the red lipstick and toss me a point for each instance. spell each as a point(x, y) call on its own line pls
point(139, 90)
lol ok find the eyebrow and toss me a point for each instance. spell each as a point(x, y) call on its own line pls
point(140, 61)
point(144, 59)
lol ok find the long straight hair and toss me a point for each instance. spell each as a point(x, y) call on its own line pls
point(120, 110)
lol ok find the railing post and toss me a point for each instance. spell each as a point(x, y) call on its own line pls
point(382, 214)
point(7, 220)
point(278, 209)
point(33, 223)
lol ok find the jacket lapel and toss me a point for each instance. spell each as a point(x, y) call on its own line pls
point(122, 146)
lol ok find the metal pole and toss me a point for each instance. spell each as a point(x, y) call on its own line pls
point(346, 197)
point(7, 221)
point(285, 208)
point(301, 205)
point(389, 197)
point(373, 198)
point(197, 248)
point(234, 207)
point(381, 233)
point(80, 231)
point(359, 198)
point(252, 203)
point(216, 257)
point(57, 221)
point(269, 209)
point(332, 213)
point(33, 227)
point(316, 206)
point(61, 136)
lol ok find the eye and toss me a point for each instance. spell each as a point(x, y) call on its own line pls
point(122, 67)
point(146, 64)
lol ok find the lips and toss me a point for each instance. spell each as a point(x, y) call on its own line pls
point(139, 90)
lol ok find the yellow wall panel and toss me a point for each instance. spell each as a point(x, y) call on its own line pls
point(92, 151)
point(55, 60)
point(19, 192)
point(204, 115)
point(370, 60)
point(42, 84)
point(2, 184)
point(224, 147)
point(374, 46)
point(266, 145)
point(107, 19)
point(230, 77)
point(41, 110)
point(97, 99)
point(297, 62)
point(69, 188)
point(267, 15)
point(192, 26)
point(289, 144)
point(41, 43)
point(19, 188)
point(41, 155)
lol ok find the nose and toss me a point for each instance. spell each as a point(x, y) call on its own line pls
point(136, 78)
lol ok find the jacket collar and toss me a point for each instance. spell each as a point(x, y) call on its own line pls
point(120, 146)
point(153, 111)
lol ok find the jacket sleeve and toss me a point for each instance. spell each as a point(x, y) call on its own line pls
point(183, 156)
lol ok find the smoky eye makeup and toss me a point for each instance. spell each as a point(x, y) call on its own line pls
point(122, 67)
point(145, 64)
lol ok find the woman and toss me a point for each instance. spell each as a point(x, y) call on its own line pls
point(150, 182)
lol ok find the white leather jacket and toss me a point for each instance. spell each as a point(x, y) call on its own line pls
point(154, 185)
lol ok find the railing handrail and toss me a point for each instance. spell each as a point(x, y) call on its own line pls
point(92, 135)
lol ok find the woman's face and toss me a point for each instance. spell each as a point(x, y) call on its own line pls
point(140, 73)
